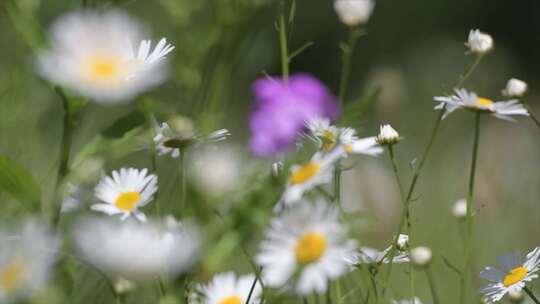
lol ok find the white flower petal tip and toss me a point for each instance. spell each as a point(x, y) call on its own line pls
point(124, 192)
point(479, 42)
point(228, 288)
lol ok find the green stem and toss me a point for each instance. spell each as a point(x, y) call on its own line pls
point(346, 61)
point(411, 279)
point(531, 114)
point(531, 295)
point(469, 71)
point(337, 184)
point(65, 148)
point(432, 286)
point(182, 179)
point(396, 172)
point(470, 196)
point(283, 42)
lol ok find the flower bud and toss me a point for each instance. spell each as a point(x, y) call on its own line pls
point(479, 43)
point(354, 12)
point(459, 210)
point(387, 135)
point(402, 242)
point(515, 88)
point(421, 256)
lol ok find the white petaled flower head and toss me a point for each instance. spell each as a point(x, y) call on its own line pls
point(102, 56)
point(125, 192)
point(354, 145)
point(413, 301)
point(515, 88)
point(368, 255)
point(318, 171)
point(421, 256)
point(462, 99)
point(354, 12)
point(323, 133)
point(138, 251)
point(227, 288)
point(387, 135)
point(479, 42)
point(305, 248)
point(26, 260)
point(511, 275)
point(459, 209)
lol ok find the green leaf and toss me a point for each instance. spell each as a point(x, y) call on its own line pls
point(16, 181)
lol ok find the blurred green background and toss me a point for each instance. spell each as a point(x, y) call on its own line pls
point(413, 51)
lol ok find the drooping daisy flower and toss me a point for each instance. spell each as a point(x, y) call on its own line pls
point(102, 56)
point(413, 301)
point(124, 193)
point(227, 288)
point(318, 171)
point(387, 135)
point(470, 101)
point(281, 109)
point(305, 248)
point(368, 255)
point(26, 259)
point(354, 12)
point(138, 251)
point(181, 135)
point(512, 274)
point(515, 88)
point(329, 136)
point(479, 42)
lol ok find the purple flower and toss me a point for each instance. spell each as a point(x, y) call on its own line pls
point(282, 108)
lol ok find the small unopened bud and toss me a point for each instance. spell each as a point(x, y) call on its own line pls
point(402, 243)
point(354, 12)
point(277, 168)
point(459, 210)
point(123, 286)
point(515, 88)
point(516, 295)
point(421, 256)
point(478, 42)
point(387, 135)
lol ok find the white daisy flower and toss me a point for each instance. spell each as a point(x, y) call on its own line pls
point(512, 274)
point(124, 193)
point(515, 88)
point(387, 135)
point(479, 42)
point(413, 301)
point(101, 56)
point(470, 101)
point(354, 12)
point(421, 256)
point(305, 248)
point(26, 261)
point(318, 171)
point(368, 255)
point(138, 251)
point(168, 141)
point(227, 288)
point(354, 145)
point(323, 133)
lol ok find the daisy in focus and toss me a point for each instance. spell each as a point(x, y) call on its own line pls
point(511, 276)
point(102, 56)
point(26, 261)
point(179, 134)
point(305, 248)
point(138, 251)
point(387, 135)
point(328, 136)
point(462, 99)
point(125, 192)
point(227, 288)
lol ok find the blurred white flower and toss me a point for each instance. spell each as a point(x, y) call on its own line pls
point(135, 250)
point(217, 171)
point(123, 286)
point(323, 133)
point(368, 255)
point(402, 242)
point(462, 99)
point(305, 248)
point(479, 42)
point(227, 288)
point(387, 135)
point(354, 145)
point(511, 276)
point(354, 12)
point(516, 295)
point(26, 260)
point(318, 171)
point(124, 193)
point(421, 256)
point(102, 56)
point(413, 301)
point(459, 209)
point(515, 88)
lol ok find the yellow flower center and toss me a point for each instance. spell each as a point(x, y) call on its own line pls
point(514, 276)
point(310, 248)
point(104, 69)
point(231, 300)
point(329, 140)
point(484, 102)
point(127, 200)
point(12, 276)
point(304, 173)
